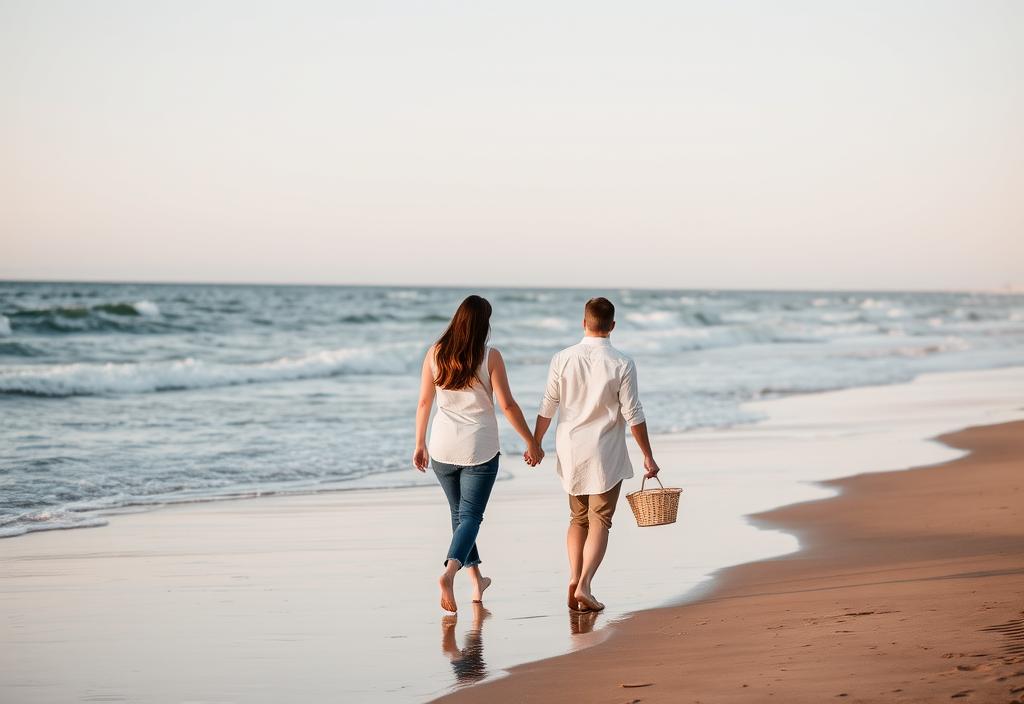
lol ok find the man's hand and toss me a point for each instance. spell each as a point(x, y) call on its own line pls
point(534, 454)
point(420, 458)
point(652, 467)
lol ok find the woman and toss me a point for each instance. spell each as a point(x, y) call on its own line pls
point(464, 375)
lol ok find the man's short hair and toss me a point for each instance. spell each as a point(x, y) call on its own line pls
point(599, 314)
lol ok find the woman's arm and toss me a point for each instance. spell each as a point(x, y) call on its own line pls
point(511, 409)
point(420, 458)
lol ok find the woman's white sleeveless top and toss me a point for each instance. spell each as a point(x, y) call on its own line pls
point(465, 430)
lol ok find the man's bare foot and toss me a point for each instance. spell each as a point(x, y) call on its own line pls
point(587, 600)
point(574, 605)
point(479, 588)
point(447, 584)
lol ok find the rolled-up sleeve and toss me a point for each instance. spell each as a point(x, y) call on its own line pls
point(552, 395)
point(629, 397)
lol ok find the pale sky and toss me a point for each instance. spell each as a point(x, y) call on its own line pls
point(659, 144)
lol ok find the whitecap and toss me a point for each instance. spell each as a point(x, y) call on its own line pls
point(147, 308)
point(552, 323)
point(405, 295)
point(5, 326)
point(657, 317)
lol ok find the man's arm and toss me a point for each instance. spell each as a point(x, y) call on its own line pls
point(543, 423)
point(549, 403)
point(644, 441)
point(633, 412)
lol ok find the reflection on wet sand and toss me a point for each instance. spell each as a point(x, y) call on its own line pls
point(581, 622)
point(467, 663)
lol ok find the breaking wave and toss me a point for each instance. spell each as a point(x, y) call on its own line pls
point(83, 379)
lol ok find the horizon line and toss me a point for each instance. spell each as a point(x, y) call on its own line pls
point(1005, 289)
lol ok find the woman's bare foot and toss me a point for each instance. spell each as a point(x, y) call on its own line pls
point(587, 600)
point(448, 644)
point(447, 583)
point(479, 586)
point(574, 605)
point(581, 622)
point(480, 614)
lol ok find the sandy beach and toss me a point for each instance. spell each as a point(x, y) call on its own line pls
point(324, 325)
point(909, 588)
point(331, 596)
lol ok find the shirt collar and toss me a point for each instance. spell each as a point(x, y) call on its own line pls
point(591, 340)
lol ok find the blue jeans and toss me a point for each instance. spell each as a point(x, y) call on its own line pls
point(467, 489)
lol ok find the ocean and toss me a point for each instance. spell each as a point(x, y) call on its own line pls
point(115, 397)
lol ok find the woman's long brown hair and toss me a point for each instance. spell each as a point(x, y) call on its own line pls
point(460, 350)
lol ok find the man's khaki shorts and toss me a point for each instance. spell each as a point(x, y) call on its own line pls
point(594, 507)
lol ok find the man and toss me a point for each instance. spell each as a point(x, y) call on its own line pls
point(593, 387)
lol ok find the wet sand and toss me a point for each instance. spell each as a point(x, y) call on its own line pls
point(909, 587)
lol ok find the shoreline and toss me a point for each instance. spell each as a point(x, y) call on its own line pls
point(101, 517)
point(87, 514)
point(908, 586)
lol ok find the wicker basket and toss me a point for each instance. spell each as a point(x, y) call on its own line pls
point(654, 507)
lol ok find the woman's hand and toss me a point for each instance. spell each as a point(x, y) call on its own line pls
point(421, 458)
point(534, 454)
point(511, 409)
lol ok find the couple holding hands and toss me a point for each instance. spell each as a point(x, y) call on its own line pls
point(593, 388)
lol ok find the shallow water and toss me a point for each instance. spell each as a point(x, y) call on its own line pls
point(127, 395)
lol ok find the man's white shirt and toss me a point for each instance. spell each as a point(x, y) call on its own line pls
point(593, 388)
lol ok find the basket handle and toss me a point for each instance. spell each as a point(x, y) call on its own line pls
point(655, 479)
